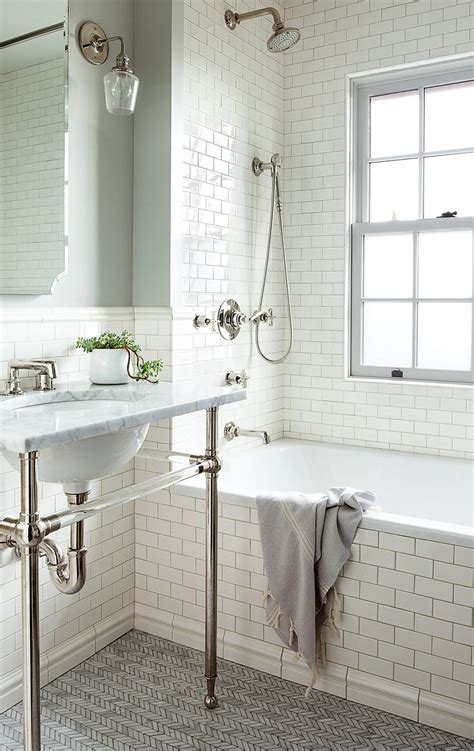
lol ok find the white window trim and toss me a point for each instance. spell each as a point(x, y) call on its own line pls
point(360, 88)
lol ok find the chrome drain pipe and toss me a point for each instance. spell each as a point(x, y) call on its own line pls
point(68, 574)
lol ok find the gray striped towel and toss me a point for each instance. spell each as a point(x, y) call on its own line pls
point(306, 540)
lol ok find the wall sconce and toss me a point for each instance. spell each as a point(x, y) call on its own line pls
point(120, 85)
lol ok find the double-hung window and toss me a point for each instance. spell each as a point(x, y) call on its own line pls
point(412, 228)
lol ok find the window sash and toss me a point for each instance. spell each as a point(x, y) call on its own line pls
point(363, 87)
point(363, 229)
point(361, 141)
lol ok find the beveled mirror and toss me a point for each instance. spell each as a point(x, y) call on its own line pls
point(33, 145)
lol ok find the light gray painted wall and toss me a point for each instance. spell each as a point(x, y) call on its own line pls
point(101, 176)
point(158, 135)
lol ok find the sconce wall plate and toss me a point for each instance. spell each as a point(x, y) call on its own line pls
point(89, 35)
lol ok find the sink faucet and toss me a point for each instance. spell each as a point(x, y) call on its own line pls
point(231, 431)
point(46, 373)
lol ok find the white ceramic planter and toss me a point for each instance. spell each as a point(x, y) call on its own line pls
point(108, 366)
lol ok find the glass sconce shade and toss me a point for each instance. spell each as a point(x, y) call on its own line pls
point(121, 88)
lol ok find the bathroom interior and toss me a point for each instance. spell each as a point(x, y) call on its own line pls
point(236, 374)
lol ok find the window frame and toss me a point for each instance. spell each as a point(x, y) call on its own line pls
point(362, 88)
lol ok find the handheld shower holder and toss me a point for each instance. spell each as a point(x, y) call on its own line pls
point(259, 167)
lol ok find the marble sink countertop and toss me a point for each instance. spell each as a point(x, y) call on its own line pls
point(106, 409)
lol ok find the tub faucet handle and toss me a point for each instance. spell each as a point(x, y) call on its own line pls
point(237, 378)
point(205, 321)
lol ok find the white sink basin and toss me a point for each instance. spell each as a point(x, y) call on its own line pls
point(76, 463)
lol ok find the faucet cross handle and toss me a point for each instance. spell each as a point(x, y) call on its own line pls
point(237, 378)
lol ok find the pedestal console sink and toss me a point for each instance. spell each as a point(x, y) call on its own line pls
point(73, 435)
point(77, 463)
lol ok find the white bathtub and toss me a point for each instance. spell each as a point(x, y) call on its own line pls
point(416, 493)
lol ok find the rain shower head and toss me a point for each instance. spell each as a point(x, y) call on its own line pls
point(282, 38)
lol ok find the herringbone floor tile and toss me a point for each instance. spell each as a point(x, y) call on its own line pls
point(143, 692)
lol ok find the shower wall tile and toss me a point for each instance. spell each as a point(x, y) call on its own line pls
point(337, 39)
point(233, 111)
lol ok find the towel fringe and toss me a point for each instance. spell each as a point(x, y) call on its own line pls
point(267, 594)
point(275, 621)
point(292, 634)
point(312, 679)
point(333, 607)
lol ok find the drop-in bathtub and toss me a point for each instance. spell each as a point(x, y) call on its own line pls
point(406, 623)
point(415, 492)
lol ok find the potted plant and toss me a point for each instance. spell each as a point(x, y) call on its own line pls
point(115, 359)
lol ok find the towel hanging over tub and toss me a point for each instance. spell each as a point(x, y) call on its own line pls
point(306, 540)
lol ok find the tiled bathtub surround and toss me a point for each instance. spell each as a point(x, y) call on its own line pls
point(406, 623)
point(32, 176)
point(339, 38)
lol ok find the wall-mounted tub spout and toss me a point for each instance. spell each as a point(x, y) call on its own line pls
point(231, 431)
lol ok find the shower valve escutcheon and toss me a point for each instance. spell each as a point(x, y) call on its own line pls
point(230, 319)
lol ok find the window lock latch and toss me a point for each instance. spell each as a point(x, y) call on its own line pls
point(447, 215)
point(397, 373)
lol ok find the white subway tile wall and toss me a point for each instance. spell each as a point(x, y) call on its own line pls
point(341, 37)
point(32, 177)
point(233, 111)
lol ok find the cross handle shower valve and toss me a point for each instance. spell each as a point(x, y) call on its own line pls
point(230, 319)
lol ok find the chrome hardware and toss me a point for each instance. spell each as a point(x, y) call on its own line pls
point(231, 431)
point(230, 319)
point(262, 316)
point(283, 37)
point(44, 380)
point(203, 321)
point(259, 167)
point(237, 378)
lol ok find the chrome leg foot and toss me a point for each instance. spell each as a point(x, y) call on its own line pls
point(211, 701)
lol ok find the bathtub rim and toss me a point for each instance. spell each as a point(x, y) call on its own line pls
point(379, 521)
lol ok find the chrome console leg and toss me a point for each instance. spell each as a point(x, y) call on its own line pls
point(211, 558)
point(30, 605)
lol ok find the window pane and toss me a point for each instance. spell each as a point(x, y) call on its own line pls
point(449, 117)
point(449, 185)
point(394, 190)
point(445, 264)
point(387, 334)
point(394, 124)
point(388, 265)
point(444, 335)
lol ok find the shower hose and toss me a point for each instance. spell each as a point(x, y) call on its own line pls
point(275, 199)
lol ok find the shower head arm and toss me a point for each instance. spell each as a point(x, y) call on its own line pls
point(239, 17)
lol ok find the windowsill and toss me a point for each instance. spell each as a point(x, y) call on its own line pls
point(409, 382)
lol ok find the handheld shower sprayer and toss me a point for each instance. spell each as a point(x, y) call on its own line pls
point(258, 168)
